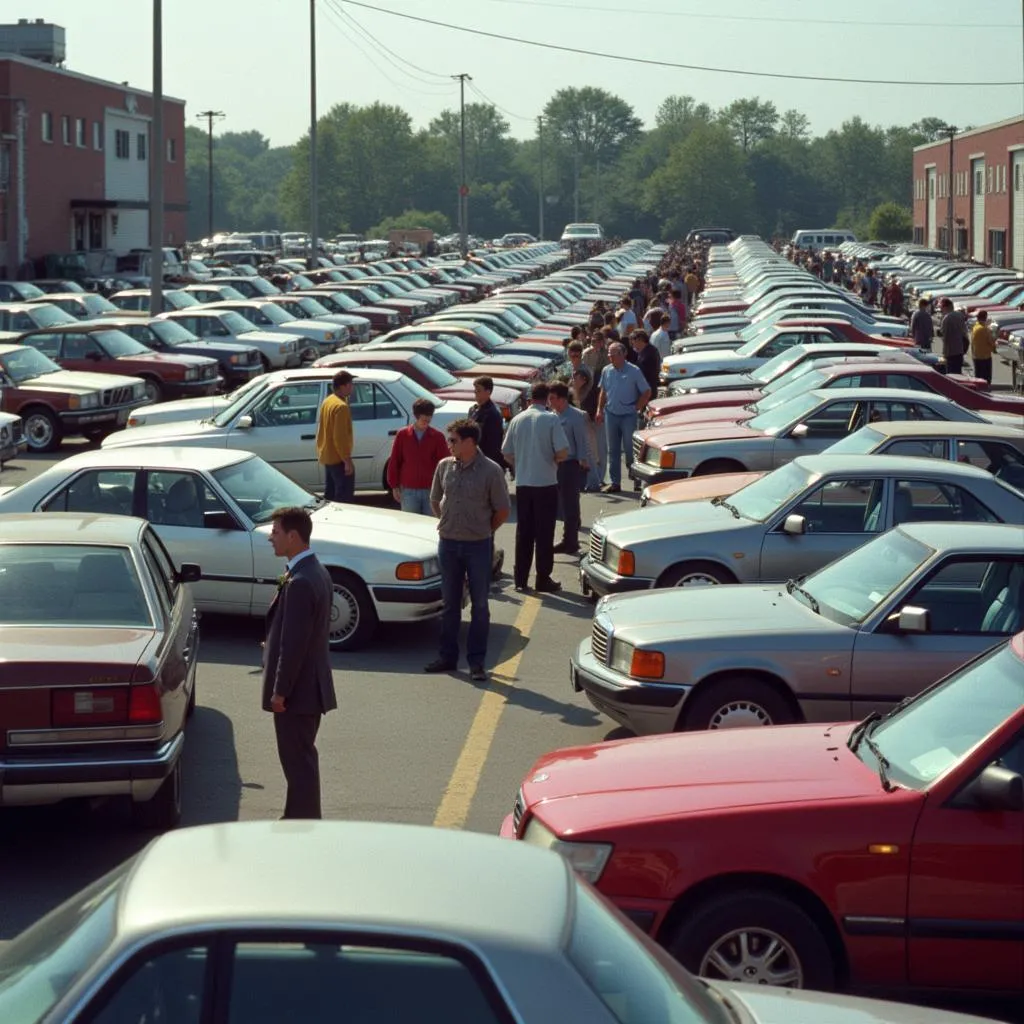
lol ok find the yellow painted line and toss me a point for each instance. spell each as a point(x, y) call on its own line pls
point(458, 794)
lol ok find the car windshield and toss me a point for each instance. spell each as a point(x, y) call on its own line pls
point(778, 366)
point(240, 398)
point(339, 300)
point(235, 322)
point(97, 304)
point(436, 376)
point(310, 307)
point(803, 382)
point(849, 589)
point(799, 372)
point(937, 731)
point(370, 294)
point(774, 420)
point(294, 309)
point(222, 291)
point(46, 315)
point(117, 343)
point(273, 312)
point(389, 287)
point(180, 299)
point(170, 332)
point(25, 363)
point(28, 291)
point(860, 442)
point(61, 585)
point(465, 349)
point(452, 358)
point(764, 497)
point(44, 963)
point(257, 488)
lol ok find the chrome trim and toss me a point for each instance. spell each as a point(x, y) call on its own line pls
point(601, 640)
point(86, 735)
point(518, 810)
point(162, 755)
point(597, 542)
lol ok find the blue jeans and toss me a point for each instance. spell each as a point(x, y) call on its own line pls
point(416, 499)
point(338, 486)
point(620, 442)
point(599, 440)
point(461, 559)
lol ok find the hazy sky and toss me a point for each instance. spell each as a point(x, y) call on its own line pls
point(250, 58)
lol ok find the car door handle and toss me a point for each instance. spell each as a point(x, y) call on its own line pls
point(308, 437)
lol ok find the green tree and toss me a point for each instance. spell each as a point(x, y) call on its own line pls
point(750, 121)
point(488, 145)
point(411, 220)
point(891, 222)
point(681, 113)
point(794, 125)
point(591, 122)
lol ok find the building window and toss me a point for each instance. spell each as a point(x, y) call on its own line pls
point(122, 144)
point(918, 236)
point(65, 129)
point(95, 231)
point(997, 248)
point(1002, 177)
point(46, 126)
point(941, 239)
point(80, 132)
point(979, 183)
point(97, 135)
point(141, 148)
point(989, 175)
point(963, 242)
point(172, 150)
point(931, 186)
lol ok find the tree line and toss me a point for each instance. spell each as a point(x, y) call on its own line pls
point(746, 166)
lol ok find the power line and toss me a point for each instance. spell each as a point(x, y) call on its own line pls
point(669, 64)
point(497, 106)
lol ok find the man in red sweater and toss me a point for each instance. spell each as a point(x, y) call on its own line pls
point(414, 456)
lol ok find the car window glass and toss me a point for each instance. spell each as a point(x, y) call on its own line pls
point(48, 344)
point(103, 491)
point(318, 982)
point(843, 506)
point(21, 322)
point(923, 501)
point(163, 560)
point(360, 402)
point(836, 420)
point(168, 987)
point(1012, 756)
point(79, 346)
point(899, 411)
point(292, 405)
point(159, 583)
point(919, 447)
point(384, 408)
point(1002, 460)
point(973, 595)
point(906, 381)
point(180, 499)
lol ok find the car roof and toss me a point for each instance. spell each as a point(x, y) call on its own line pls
point(69, 528)
point(387, 353)
point(357, 874)
point(224, 303)
point(968, 538)
point(154, 456)
point(889, 394)
point(50, 296)
point(873, 464)
point(878, 366)
point(931, 428)
point(21, 306)
point(78, 327)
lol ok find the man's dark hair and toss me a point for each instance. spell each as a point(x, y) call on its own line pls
point(422, 407)
point(575, 331)
point(656, 317)
point(341, 378)
point(921, 303)
point(487, 383)
point(465, 429)
point(575, 346)
point(677, 293)
point(639, 336)
point(559, 389)
point(539, 392)
point(294, 519)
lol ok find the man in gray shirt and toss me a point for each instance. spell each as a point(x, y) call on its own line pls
point(953, 329)
point(534, 444)
point(572, 470)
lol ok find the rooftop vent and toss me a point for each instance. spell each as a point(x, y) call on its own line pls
point(37, 40)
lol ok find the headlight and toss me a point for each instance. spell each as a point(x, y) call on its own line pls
point(620, 560)
point(234, 360)
point(410, 571)
point(285, 349)
point(192, 373)
point(588, 860)
point(636, 663)
point(329, 336)
point(139, 391)
point(652, 457)
point(432, 567)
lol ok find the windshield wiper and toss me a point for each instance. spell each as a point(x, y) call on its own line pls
point(859, 729)
point(722, 503)
point(883, 762)
point(792, 587)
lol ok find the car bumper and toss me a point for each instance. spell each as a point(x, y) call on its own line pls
point(237, 375)
point(398, 603)
point(13, 449)
point(31, 779)
point(644, 708)
point(597, 578)
point(191, 388)
point(89, 418)
point(655, 474)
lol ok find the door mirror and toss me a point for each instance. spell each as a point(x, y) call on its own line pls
point(800, 430)
point(189, 572)
point(914, 620)
point(995, 789)
point(219, 519)
point(244, 422)
point(94, 355)
point(795, 526)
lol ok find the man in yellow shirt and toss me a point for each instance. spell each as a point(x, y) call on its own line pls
point(334, 440)
point(983, 345)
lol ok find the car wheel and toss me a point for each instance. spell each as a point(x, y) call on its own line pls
point(754, 938)
point(266, 363)
point(163, 811)
point(96, 434)
point(736, 702)
point(42, 430)
point(695, 574)
point(154, 391)
point(353, 617)
point(718, 466)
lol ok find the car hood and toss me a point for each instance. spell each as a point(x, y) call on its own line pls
point(176, 432)
point(688, 360)
point(182, 409)
point(655, 522)
point(78, 382)
point(702, 401)
point(684, 433)
point(402, 532)
point(696, 488)
point(276, 337)
point(167, 359)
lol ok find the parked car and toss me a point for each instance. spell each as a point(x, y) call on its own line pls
point(788, 523)
point(215, 504)
point(16, 318)
point(55, 403)
point(277, 350)
point(318, 337)
point(139, 300)
point(337, 301)
point(81, 305)
point(304, 307)
point(101, 642)
point(883, 855)
point(19, 291)
point(99, 348)
point(12, 437)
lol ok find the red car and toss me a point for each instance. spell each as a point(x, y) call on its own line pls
point(887, 854)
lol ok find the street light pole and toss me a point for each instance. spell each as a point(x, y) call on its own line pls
point(157, 158)
point(463, 187)
point(540, 197)
point(314, 226)
point(209, 116)
point(576, 183)
point(951, 131)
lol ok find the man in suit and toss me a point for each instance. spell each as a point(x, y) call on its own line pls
point(297, 683)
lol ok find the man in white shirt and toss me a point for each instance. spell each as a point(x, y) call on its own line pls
point(659, 336)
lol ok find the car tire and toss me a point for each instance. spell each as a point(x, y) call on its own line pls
point(42, 430)
point(736, 701)
point(266, 363)
point(718, 466)
point(163, 811)
point(353, 616)
point(755, 937)
point(154, 389)
point(96, 434)
point(695, 574)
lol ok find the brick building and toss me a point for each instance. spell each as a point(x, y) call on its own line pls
point(75, 156)
point(987, 190)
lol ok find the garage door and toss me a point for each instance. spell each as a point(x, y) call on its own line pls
point(1017, 240)
point(932, 231)
point(978, 210)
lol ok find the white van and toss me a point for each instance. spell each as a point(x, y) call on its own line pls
point(822, 238)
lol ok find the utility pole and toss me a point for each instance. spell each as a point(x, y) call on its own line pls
point(576, 183)
point(209, 116)
point(314, 225)
point(540, 197)
point(157, 158)
point(463, 187)
point(951, 131)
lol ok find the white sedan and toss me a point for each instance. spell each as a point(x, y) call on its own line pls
point(275, 415)
point(213, 507)
point(12, 437)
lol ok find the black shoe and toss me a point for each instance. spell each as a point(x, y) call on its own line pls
point(440, 665)
point(566, 549)
point(547, 586)
point(611, 489)
point(478, 673)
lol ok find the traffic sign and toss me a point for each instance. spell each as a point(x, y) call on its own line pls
point(463, 190)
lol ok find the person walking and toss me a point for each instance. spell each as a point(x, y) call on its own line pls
point(298, 686)
point(953, 330)
point(488, 416)
point(624, 394)
point(416, 451)
point(983, 347)
point(573, 468)
point(534, 445)
point(334, 440)
point(922, 327)
point(469, 498)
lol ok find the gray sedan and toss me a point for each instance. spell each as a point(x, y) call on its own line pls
point(789, 522)
point(858, 636)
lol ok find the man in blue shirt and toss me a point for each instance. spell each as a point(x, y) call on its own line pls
point(624, 394)
point(571, 470)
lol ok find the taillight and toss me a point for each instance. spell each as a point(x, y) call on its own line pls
point(144, 705)
point(102, 706)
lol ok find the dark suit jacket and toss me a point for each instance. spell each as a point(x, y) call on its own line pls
point(296, 662)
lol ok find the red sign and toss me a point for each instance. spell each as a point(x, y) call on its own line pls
point(463, 190)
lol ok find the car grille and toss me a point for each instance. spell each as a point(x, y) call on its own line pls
point(117, 396)
point(518, 809)
point(638, 449)
point(596, 546)
point(209, 372)
point(599, 643)
point(252, 357)
point(17, 432)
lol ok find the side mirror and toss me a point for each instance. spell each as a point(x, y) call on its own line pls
point(795, 526)
point(189, 572)
point(244, 422)
point(219, 520)
point(95, 356)
point(914, 620)
point(995, 789)
point(800, 430)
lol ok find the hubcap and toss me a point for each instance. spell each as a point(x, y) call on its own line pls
point(753, 956)
point(344, 613)
point(697, 579)
point(38, 431)
point(152, 391)
point(739, 714)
